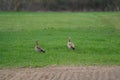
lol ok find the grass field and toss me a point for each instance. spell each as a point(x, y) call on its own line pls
point(95, 34)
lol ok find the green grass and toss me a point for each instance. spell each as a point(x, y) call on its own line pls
point(95, 34)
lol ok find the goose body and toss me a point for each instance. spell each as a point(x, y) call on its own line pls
point(70, 44)
point(38, 49)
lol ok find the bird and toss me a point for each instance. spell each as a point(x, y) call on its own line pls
point(37, 48)
point(70, 45)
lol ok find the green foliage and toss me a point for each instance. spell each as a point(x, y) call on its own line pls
point(95, 35)
point(60, 5)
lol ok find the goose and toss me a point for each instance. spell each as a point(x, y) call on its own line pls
point(38, 49)
point(70, 44)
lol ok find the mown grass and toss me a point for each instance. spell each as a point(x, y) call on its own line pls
point(95, 34)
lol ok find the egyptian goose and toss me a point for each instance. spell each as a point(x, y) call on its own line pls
point(70, 44)
point(38, 49)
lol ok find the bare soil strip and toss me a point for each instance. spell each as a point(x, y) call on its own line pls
point(62, 73)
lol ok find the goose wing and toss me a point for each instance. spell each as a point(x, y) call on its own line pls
point(70, 45)
point(38, 49)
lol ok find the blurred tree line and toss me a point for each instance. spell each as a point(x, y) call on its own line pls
point(59, 5)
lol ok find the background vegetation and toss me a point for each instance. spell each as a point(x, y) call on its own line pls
point(60, 5)
point(96, 36)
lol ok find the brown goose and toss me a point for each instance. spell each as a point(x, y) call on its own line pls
point(38, 49)
point(70, 44)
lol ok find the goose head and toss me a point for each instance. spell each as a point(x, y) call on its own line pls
point(36, 43)
point(69, 39)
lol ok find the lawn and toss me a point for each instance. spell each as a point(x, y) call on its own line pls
point(96, 36)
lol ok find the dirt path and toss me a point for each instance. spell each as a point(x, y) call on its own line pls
point(62, 73)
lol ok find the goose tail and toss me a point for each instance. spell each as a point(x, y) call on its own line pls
point(43, 51)
point(73, 48)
